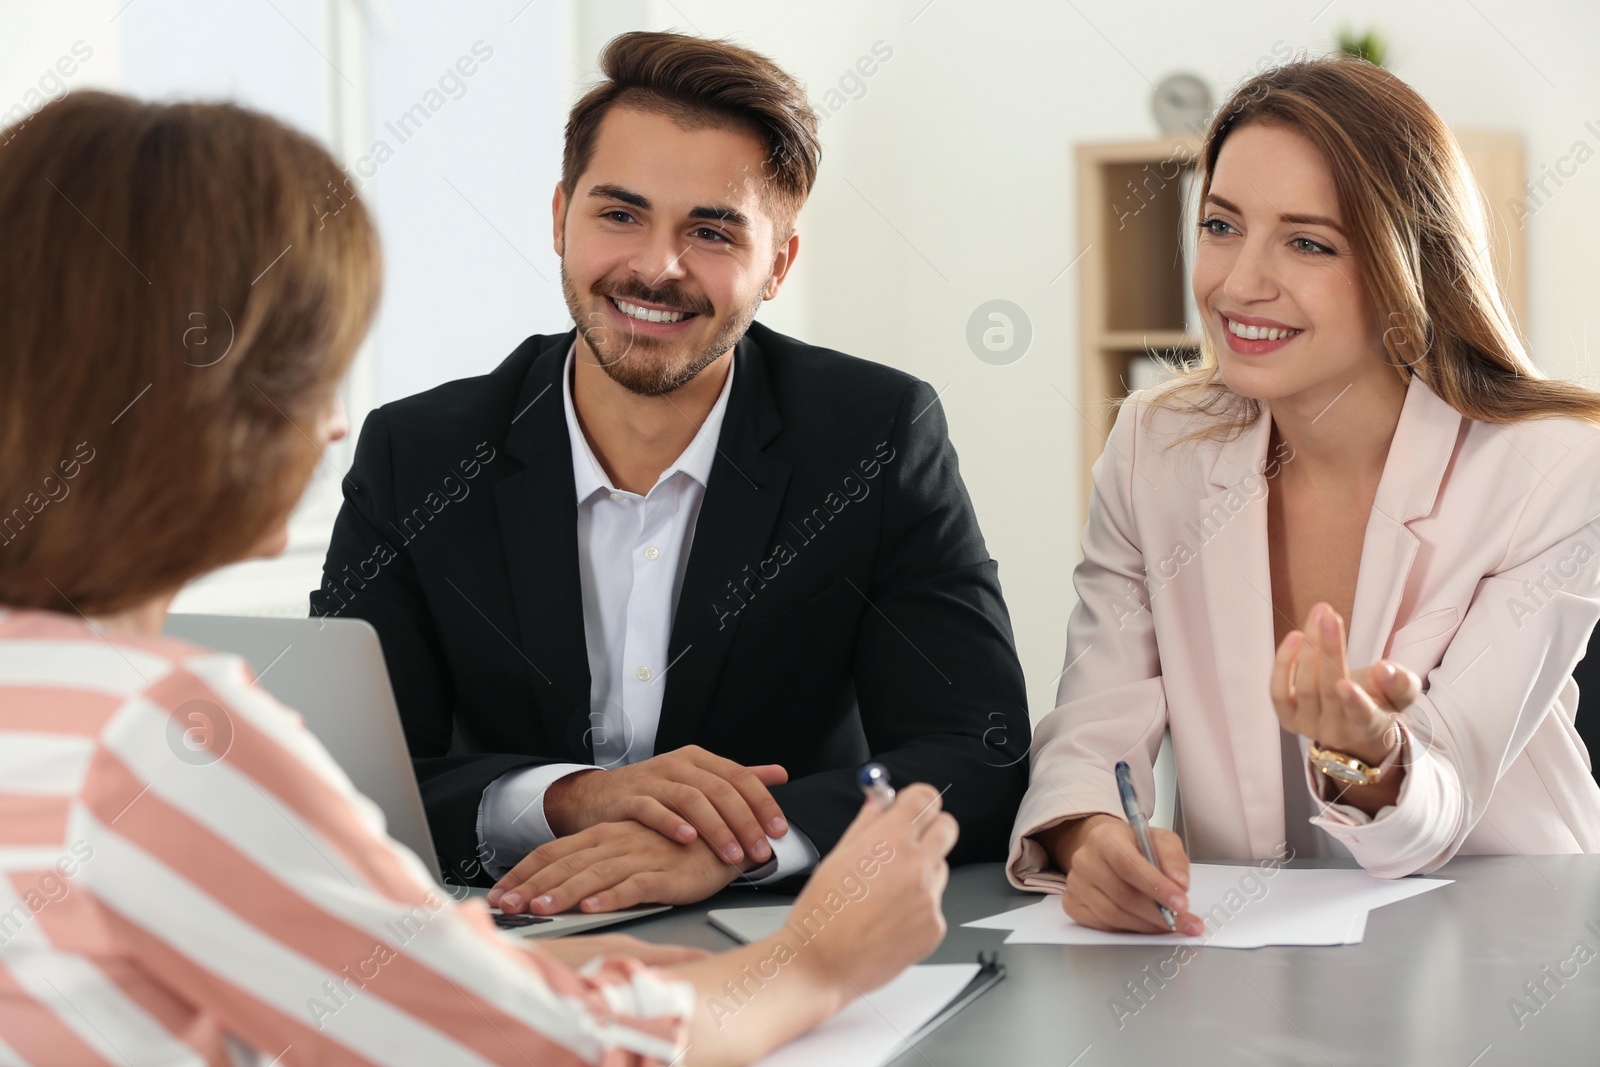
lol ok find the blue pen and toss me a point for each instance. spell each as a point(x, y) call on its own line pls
point(874, 782)
point(1141, 829)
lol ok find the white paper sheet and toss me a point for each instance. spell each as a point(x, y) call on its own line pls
point(875, 1026)
point(1010, 920)
point(1047, 925)
point(1243, 907)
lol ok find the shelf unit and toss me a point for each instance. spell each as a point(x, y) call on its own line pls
point(1132, 281)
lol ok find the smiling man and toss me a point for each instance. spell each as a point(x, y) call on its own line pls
point(653, 589)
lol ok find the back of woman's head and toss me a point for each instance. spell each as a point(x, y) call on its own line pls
point(185, 285)
point(1418, 228)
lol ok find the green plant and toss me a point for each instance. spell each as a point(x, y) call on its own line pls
point(1369, 45)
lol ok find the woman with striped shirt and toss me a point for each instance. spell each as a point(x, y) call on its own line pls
point(186, 877)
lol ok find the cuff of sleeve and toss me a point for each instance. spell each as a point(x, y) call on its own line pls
point(792, 854)
point(1402, 837)
point(651, 1012)
point(1028, 865)
point(511, 817)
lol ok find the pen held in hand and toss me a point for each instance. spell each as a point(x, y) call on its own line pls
point(874, 781)
point(1141, 830)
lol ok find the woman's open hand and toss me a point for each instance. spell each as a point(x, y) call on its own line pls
point(1317, 696)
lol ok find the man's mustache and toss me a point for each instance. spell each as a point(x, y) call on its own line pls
point(670, 297)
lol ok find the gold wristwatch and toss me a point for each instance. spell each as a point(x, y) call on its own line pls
point(1349, 769)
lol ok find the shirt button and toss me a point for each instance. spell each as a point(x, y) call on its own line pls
point(652, 552)
point(643, 674)
point(616, 495)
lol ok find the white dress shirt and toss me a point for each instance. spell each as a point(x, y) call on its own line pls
point(632, 554)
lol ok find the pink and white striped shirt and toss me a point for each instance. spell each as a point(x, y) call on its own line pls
point(187, 877)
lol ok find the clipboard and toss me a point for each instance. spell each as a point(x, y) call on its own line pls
point(751, 924)
point(990, 971)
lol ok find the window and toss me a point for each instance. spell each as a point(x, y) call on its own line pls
point(448, 119)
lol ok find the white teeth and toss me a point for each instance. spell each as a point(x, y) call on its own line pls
point(1258, 333)
point(634, 311)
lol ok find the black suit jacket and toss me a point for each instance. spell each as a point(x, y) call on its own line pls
point(838, 600)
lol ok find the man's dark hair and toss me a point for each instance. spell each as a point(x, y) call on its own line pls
point(701, 84)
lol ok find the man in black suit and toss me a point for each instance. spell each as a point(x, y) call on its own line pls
point(652, 590)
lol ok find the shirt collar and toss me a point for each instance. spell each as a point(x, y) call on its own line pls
point(589, 477)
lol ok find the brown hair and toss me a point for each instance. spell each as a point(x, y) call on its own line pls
point(700, 84)
point(181, 300)
point(1419, 230)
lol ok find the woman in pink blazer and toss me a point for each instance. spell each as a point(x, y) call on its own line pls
point(1350, 559)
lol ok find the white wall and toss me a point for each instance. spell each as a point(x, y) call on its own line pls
point(463, 203)
point(949, 182)
point(34, 36)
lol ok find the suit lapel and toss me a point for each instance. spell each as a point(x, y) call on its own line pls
point(1420, 453)
point(740, 509)
point(1230, 532)
point(538, 515)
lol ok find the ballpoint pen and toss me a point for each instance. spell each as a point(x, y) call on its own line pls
point(874, 781)
point(1141, 829)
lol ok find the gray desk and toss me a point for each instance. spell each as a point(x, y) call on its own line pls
point(1431, 984)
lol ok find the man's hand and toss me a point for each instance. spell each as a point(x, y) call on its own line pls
point(682, 794)
point(609, 867)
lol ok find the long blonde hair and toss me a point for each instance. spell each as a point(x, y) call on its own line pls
point(1417, 226)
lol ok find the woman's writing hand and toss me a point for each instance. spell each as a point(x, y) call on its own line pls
point(1111, 886)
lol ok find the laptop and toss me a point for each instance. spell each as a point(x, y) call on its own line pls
point(332, 672)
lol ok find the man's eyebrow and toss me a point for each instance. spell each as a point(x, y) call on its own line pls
point(617, 192)
point(713, 212)
point(1298, 220)
point(726, 215)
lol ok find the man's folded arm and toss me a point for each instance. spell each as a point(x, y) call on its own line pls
point(938, 683)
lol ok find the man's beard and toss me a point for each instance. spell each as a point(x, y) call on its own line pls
point(626, 356)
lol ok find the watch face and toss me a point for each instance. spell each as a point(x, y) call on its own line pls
point(1335, 769)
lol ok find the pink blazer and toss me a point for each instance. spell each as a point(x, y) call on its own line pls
point(1480, 571)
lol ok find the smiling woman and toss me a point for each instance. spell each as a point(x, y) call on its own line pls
point(1398, 223)
point(1423, 474)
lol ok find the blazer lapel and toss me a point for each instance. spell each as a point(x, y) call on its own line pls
point(1229, 532)
point(740, 509)
point(1423, 445)
point(538, 513)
